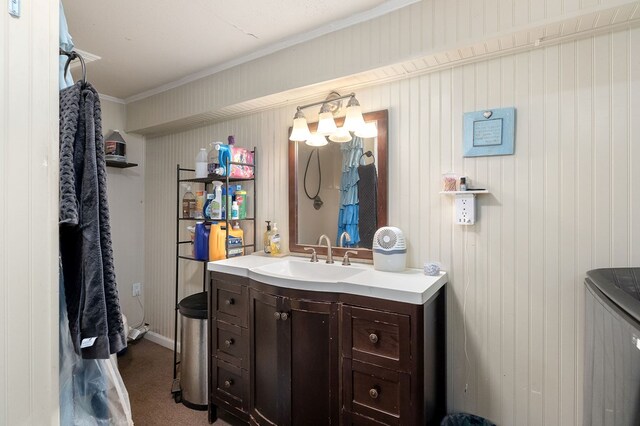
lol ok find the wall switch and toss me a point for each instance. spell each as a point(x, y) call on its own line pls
point(465, 209)
point(136, 289)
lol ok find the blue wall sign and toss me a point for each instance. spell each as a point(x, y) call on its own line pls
point(489, 132)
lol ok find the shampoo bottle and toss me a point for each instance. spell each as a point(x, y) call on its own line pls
point(265, 240)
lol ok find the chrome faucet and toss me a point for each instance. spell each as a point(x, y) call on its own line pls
point(329, 255)
point(342, 237)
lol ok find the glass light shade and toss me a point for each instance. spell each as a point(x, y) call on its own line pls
point(369, 130)
point(316, 140)
point(340, 136)
point(326, 125)
point(353, 120)
point(300, 131)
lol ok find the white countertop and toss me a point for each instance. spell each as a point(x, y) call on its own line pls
point(409, 286)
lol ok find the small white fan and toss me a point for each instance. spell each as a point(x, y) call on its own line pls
point(389, 250)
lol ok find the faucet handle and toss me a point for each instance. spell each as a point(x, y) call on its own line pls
point(345, 259)
point(314, 256)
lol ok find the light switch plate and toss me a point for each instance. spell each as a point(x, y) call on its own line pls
point(14, 8)
point(465, 209)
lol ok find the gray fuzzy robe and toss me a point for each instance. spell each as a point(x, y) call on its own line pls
point(85, 233)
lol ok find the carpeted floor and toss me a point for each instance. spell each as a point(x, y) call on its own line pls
point(147, 371)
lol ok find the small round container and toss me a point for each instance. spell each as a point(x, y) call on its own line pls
point(449, 182)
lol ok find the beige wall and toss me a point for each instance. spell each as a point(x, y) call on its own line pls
point(126, 206)
point(390, 46)
point(562, 205)
point(29, 216)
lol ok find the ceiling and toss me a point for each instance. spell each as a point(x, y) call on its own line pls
point(145, 44)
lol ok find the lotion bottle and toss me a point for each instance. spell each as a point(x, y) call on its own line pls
point(265, 241)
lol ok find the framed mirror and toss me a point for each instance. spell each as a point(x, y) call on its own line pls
point(339, 187)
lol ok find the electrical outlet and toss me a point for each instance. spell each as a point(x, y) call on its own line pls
point(136, 289)
point(465, 209)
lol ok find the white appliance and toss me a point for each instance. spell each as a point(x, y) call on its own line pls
point(389, 250)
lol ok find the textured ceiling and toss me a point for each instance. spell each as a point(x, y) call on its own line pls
point(145, 44)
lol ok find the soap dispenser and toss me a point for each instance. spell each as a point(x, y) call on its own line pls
point(265, 240)
point(274, 240)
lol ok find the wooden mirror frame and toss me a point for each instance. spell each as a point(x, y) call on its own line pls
point(381, 117)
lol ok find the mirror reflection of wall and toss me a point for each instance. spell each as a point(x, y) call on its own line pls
point(325, 183)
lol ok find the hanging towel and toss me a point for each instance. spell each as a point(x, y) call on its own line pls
point(368, 196)
point(91, 294)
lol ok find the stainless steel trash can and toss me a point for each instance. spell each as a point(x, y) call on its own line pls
point(193, 350)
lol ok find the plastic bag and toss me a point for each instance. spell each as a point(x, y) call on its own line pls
point(91, 390)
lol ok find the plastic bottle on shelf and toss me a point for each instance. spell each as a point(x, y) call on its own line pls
point(274, 240)
point(224, 157)
point(201, 197)
point(206, 211)
point(236, 240)
point(265, 240)
point(216, 201)
point(201, 243)
point(235, 212)
point(241, 199)
point(212, 159)
point(188, 203)
point(201, 164)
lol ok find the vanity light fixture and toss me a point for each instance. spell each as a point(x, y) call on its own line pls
point(353, 120)
point(316, 140)
point(300, 131)
point(369, 130)
point(341, 135)
point(326, 124)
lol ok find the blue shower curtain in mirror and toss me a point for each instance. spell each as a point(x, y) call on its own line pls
point(348, 213)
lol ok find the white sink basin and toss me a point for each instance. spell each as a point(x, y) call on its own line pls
point(303, 270)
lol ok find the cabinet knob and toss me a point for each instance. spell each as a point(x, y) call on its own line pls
point(229, 301)
point(374, 392)
point(228, 383)
point(373, 337)
point(229, 342)
point(284, 316)
point(276, 315)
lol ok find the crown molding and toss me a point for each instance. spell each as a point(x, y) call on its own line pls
point(378, 11)
point(112, 99)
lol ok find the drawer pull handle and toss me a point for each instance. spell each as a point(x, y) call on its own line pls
point(230, 301)
point(284, 316)
point(276, 315)
point(374, 392)
point(373, 337)
point(228, 383)
point(229, 342)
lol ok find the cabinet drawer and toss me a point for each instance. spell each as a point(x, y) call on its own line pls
point(376, 337)
point(232, 344)
point(232, 385)
point(231, 302)
point(377, 393)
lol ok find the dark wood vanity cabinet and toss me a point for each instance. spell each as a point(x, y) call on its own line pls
point(294, 360)
point(318, 358)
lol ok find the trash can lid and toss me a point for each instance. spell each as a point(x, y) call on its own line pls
point(194, 306)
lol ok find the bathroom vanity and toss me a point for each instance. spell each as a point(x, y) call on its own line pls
point(299, 343)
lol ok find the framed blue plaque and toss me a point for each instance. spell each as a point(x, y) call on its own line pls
point(489, 132)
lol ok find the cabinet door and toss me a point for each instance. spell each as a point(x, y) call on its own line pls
point(312, 330)
point(266, 398)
